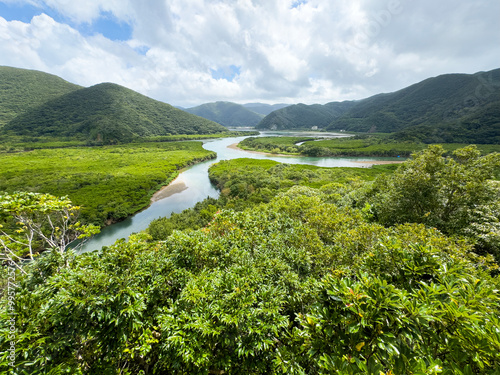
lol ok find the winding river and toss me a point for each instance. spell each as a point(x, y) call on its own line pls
point(193, 185)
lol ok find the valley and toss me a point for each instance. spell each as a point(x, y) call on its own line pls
point(298, 258)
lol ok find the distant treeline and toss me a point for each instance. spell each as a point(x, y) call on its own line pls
point(363, 145)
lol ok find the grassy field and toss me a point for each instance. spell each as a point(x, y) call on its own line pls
point(109, 182)
point(355, 146)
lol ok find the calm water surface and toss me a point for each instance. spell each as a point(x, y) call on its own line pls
point(193, 185)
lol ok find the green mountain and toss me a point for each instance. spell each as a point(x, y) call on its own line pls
point(22, 90)
point(447, 108)
point(443, 102)
point(302, 116)
point(264, 109)
point(109, 113)
point(227, 114)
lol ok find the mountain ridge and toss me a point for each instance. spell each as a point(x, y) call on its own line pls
point(436, 105)
point(264, 109)
point(300, 116)
point(107, 113)
point(446, 108)
point(228, 114)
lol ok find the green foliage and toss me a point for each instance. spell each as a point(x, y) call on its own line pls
point(193, 218)
point(227, 114)
point(33, 222)
point(17, 143)
point(247, 182)
point(451, 194)
point(442, 109)
point(298, 285)
point(442, 319)
point(187, 137)
point(286, 145)
point(300, 279)
point(258, 181)
point(109, 182)
point(482, 126)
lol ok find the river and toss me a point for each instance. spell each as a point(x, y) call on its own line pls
point(193, 185)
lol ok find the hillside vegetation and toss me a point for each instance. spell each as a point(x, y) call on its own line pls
point(462, 108)
point(22, 90)
point(247, 182)
point(108, 113)
point(465, 103)
point(227, 114)
point(302, 116)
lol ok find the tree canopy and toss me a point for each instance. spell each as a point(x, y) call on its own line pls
point(309, 280)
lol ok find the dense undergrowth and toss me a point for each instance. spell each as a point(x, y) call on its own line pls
point(393, 275)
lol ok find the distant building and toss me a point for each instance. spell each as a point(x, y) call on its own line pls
point(314, 128)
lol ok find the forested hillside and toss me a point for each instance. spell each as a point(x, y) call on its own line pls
point(481, 125)
point(302, 116)
point(461, 103)
point(22, 90)
point(448, 108)
point(108, 113)
point(387, 275)
point(227, 114)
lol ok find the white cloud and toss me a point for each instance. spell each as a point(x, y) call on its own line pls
point(286, 51)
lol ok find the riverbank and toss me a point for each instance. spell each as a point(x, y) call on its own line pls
point(234, 146)
point(176, 186)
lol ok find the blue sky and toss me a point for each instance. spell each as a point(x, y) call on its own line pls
point(19, 12)
point(188, 52)
point(229, 73)
point(106, 24)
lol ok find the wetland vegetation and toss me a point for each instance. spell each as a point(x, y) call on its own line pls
point(109, 182)
point(360, 145)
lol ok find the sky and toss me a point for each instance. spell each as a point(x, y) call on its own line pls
point(189, 52)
